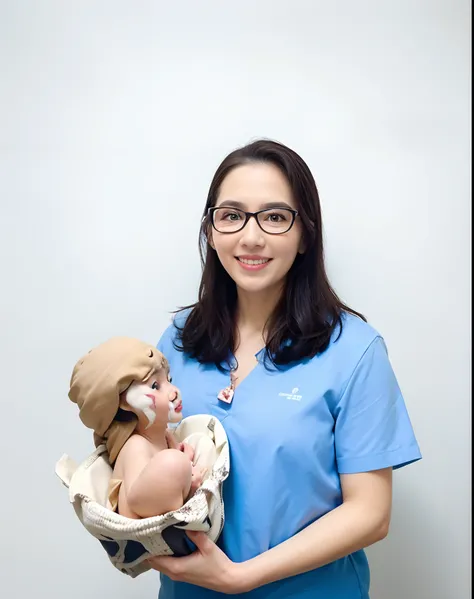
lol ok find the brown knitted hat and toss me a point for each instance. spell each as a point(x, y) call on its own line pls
point(101, 376)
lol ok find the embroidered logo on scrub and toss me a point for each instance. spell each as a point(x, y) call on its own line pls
point(293, 396)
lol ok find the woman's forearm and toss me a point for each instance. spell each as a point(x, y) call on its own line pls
point(346, 529)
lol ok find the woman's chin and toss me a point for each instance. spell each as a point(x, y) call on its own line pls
point(259, 287)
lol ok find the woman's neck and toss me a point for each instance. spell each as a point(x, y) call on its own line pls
point(254, 310)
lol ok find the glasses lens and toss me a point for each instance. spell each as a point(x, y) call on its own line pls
point(228, 220)
point(276, 220)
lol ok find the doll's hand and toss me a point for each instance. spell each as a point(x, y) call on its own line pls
point(171, 440)
point(187, 450)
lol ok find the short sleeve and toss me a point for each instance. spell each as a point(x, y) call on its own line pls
point(373, 428)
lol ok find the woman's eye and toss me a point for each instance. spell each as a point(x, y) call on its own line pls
point(170, 379)
point(155, 385)
point(232, 216)
point(276, 217)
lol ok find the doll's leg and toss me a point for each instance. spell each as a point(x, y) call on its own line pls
point(163, 485)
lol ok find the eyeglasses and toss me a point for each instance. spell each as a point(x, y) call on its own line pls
point(274, 221)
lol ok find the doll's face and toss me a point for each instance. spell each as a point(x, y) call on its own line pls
point(158, 399)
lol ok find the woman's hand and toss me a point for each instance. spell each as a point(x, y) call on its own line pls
point(207, 567)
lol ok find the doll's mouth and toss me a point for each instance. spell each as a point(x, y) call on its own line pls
point(178, 407)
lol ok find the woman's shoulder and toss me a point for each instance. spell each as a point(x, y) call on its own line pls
point(353, 337)
point(353, 327)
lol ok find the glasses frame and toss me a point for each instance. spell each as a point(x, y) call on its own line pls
point(248, 216)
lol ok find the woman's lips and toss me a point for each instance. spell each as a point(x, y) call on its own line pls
point(253, 263)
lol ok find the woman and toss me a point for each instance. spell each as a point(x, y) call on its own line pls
point(303, 386)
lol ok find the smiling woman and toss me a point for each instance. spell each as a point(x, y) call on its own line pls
point(256, 203)
point(303, 386)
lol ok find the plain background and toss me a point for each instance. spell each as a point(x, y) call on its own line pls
point(114, 117)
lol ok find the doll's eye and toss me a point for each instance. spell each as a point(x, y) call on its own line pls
point(155, 385)
point(170, 379)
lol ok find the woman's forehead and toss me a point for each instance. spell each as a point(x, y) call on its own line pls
point(254, 185)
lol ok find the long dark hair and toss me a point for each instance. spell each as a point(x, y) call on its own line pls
point(309, 310)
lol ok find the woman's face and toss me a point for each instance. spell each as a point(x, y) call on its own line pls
point(256, 260)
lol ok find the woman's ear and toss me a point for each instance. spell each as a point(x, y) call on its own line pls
point(210, 241)
point(207, 230)
point(302, 247)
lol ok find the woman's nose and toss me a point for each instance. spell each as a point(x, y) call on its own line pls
point(252, 235)
point(173, 394)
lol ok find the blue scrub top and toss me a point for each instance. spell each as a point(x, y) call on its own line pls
point(291, 433)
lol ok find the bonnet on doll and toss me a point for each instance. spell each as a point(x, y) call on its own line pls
point(99, 379)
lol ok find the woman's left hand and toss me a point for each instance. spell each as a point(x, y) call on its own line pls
point(208, 566)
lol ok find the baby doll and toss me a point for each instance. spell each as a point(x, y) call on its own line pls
point(125, 395)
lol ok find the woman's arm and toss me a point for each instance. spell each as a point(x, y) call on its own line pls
point(361, 520)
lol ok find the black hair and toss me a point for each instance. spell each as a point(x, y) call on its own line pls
point(308, 311)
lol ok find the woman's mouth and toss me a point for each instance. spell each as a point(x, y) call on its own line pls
point(178, 407)
point(253, 263)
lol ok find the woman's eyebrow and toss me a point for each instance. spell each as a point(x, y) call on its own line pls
point(232, 204)
point(276, 205)
point(265, 206)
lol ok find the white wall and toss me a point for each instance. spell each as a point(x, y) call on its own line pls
point(114, 116)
